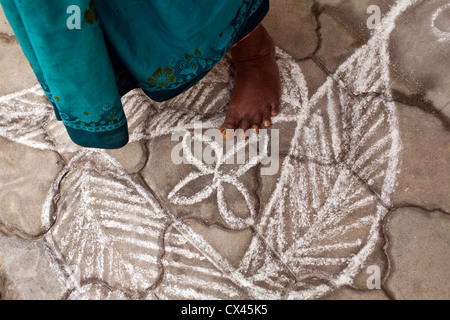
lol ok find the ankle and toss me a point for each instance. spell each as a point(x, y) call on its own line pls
point(256, 45)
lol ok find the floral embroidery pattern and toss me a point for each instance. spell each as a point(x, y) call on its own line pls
point(193, 62)
point(106, 116)
point(90, 16)
point(187, 68)
point(87, 117)
point(162, 79)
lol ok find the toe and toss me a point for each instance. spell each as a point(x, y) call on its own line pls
point(274, 110)
point(231, 122)
point(267, 122)
point(229, 126)
point(257, 119)
point(256, 124)
point(245, 125)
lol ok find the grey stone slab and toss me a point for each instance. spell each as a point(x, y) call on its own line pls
point(419, 255)
point(296, 16)
point(26, 182)
point(133, 156)
point(314, 75)
point(353, 15)
point(337, 44)
point(424, 177)
point(139, 110)
point(344, 27)
point(446, 112)
point(23, 115)
point(16, 72)
point(27, 271)
point(420, 51)
point(5, 28)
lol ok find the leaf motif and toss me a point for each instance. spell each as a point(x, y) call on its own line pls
point(202, 63)
point(187, 71)
point(138, 110)
point(230, 217)
point(108, 225)
point(23, 116)
point(199, 196)
point(345, 137)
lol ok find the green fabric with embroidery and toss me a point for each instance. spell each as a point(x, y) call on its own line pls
point(87, 54)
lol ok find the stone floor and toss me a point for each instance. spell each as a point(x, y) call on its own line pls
point(358, 208)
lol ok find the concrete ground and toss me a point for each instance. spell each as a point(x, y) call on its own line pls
point(357, 207)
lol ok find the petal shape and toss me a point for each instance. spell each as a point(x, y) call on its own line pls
point(167, 72)
point(158, 73)
point(201, 195)
point(234, 221)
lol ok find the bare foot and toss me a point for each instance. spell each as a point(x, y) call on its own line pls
point(257, 89)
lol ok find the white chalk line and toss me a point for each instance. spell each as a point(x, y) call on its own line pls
point(442, 36)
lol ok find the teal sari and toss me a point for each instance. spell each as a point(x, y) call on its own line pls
point(87, 54)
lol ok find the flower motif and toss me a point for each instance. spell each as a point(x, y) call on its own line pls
point(219, 177)
point(89, 117)
point(162, 79)
point(90, 16)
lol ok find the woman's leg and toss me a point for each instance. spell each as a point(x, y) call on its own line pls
point(257, 90)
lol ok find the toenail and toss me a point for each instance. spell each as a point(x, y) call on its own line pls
point(224, 134)
point(227, 133)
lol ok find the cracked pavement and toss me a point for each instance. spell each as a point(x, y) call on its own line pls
point(359, 208)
